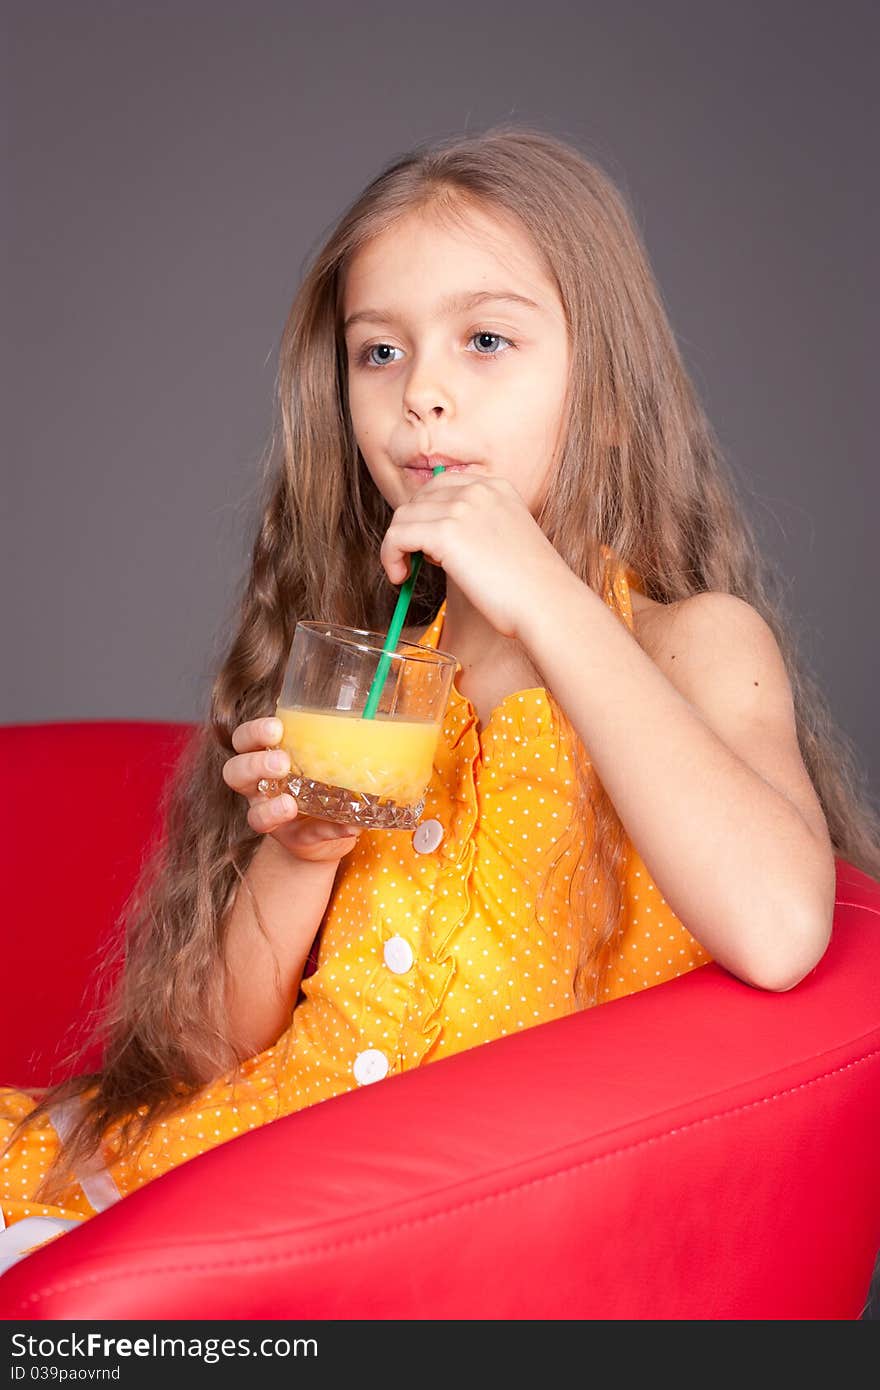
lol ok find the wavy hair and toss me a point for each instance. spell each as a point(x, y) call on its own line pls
point(638, 470)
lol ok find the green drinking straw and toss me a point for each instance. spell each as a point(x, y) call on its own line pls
point(395, 626)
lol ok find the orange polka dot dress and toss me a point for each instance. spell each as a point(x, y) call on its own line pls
point(431, 943)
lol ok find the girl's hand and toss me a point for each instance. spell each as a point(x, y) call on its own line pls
point(309, 838)
point(482, 533)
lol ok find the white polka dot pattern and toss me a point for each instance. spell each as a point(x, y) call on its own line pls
point(431, 943)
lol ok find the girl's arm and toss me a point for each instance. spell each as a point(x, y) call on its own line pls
point(709, 784)
point(292, 896)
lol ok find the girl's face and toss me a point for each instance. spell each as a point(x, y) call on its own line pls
point(429, 373)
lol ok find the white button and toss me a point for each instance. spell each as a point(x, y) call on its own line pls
point(398, 955)
point(427, 836)
point(370, 1065)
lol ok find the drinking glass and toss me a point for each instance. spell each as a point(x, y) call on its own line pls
point(369, 772)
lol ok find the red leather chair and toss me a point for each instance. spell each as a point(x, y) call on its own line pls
point(702, 1150)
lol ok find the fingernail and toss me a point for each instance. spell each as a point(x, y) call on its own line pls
point(278, 762)
point(276, 728)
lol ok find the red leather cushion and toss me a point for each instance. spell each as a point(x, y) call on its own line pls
point(701, 1150)
point(79, 809)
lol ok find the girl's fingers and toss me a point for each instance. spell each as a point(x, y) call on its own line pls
point(255, 742)
point(265, 815)
point(257, 733)
point(242, 773)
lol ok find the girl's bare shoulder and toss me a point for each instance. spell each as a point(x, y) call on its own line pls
point(680, 631)
point(721, 654)
point(709, 640)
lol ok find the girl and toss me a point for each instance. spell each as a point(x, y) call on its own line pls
point(633, 777)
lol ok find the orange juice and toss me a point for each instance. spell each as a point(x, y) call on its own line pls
point(385, 756)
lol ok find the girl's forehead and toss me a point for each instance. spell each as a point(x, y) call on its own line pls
point(442, 260)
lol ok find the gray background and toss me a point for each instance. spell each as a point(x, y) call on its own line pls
point(170, 167)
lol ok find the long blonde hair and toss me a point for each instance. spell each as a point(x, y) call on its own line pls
point(639, 470)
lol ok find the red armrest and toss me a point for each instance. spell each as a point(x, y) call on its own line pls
point(699, 1150)
point(76, 822)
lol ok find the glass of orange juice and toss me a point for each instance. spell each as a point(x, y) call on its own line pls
point(371, 772)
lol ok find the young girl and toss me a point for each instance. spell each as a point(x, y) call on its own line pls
point(633, 777)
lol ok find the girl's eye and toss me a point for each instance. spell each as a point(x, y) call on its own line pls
point(487, 333)
point(365, 360)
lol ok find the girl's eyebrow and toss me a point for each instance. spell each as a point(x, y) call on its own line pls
point(451, 304)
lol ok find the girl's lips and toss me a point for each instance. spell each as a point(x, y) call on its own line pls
point(429, 472)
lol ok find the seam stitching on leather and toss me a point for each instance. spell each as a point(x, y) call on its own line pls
point(256, 1261)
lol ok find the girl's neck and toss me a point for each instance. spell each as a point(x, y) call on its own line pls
point(468, 635)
